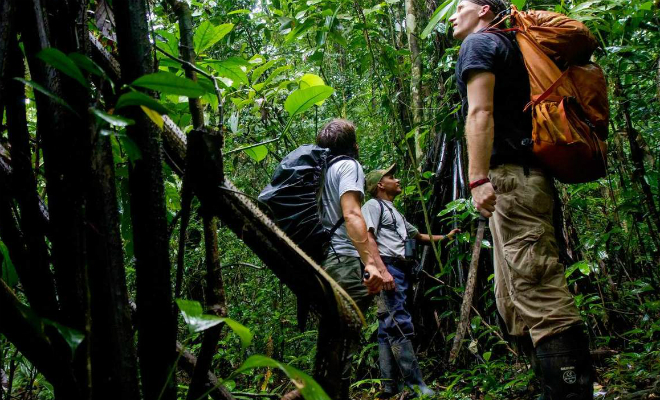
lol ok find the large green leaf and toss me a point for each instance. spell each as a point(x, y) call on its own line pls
point(302, 99)
point(86, 63)
point(257, 153)
point(519, 3)
point(140, 99)
point(72, 337)
point(7, 270)
point(444, 11)
point(308, 387)
point(197, 321)
point(59, 60)
point(232, 69)
point(207, 34)
point(167, 82)
point(34, 85)
point(256, 74)
point(114, 120)
point(309, 80)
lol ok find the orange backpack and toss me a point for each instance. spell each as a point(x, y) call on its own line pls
point(570, 110)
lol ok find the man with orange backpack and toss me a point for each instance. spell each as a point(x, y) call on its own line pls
point(509, 187)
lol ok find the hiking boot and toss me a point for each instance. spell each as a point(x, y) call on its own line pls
point(412, 375)
point(565, 361)
point(389, 372)
point(524, 345)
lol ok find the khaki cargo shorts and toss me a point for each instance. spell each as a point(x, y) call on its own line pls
point(347, 272)
point(530, 286)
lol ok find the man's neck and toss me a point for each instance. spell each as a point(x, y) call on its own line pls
point(385, 196)
point(482, 25)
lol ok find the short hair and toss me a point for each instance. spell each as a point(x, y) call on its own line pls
point(496, 6)
point(338, 135)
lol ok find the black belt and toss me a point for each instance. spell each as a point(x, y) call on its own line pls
point(397, 261)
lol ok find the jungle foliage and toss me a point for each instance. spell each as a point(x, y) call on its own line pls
point(120, 277)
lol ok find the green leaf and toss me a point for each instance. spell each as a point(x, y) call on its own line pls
point(7, 267)
point(34, 85)
point(231, 69)
point(487, 355)
point(256, 74)
point(308, 387)
point(72, 337)
point(241, 11)
point(198, 322)
point(130, 148)
point(519, 3)
point(114, 120)
point(302, 99)
point(444, 11)
point(207, 34)
point(257, 153)
point(59, 60)
point(309, 80)
point(86, 63)
point(171, 42)
point(140, 99)
point(167, 82)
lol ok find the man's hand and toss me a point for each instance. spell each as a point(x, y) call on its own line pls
point(453, 233)
point(484, 198)
point(388, 280)
point(375, 281)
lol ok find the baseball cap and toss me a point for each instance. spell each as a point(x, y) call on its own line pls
point(375, 176)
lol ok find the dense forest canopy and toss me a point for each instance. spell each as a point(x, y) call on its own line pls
point(137, 134)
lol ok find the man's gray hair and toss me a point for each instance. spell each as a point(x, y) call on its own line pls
point(496, 6)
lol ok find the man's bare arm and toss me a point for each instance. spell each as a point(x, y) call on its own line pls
point(479, 132)
point(356, 229)
point(388, 279)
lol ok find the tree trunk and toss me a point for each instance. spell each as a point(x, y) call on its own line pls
point(114, 372)
point(416, 74)
point(215, 303)
point(35, 272)
point(156, 323)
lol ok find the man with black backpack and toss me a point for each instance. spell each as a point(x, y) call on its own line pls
point(508, 187)
point(352, 257)
point(394, 236)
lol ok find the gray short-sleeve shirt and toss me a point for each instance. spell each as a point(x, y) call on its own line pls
point(390, 242)
point(342, 176)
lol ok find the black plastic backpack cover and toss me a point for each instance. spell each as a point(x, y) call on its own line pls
point(294, 196)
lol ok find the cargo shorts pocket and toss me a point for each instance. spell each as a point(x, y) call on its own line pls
point(525, 260)
point(503, 181)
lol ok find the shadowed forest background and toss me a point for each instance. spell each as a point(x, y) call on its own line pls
point(135, 265)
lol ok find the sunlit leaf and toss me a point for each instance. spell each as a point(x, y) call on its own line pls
point(443, 12)
point(140, 99)
point(256, 74)
point(241, 11)
point(257, 153)
point(197, 321)
point(307, 386)
point(309, 80)
point(167, 82)
point(231, 69)
point(154, 116)
point(114, 120)
point(207, 34)
point(519, 3)
point(59, 60)
point(302, 99)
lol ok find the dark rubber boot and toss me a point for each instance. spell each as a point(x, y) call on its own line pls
point(412, 375)
point(524, 345)
point(389, 372)
point(565, 361)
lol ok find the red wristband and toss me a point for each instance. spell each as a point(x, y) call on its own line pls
point(479, 182)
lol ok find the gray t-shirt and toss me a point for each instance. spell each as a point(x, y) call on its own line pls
point(342, 176)
point(390, 241)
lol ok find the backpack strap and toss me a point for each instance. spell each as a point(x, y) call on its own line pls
point(396, 230)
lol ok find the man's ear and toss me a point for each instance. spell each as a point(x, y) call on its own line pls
point(484, 10)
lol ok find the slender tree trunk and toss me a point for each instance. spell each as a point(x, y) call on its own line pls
point(7, 32)
point(114, 372)
point(416, 74)
point(215, 300)
point(156, 323)
point(35, 272)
